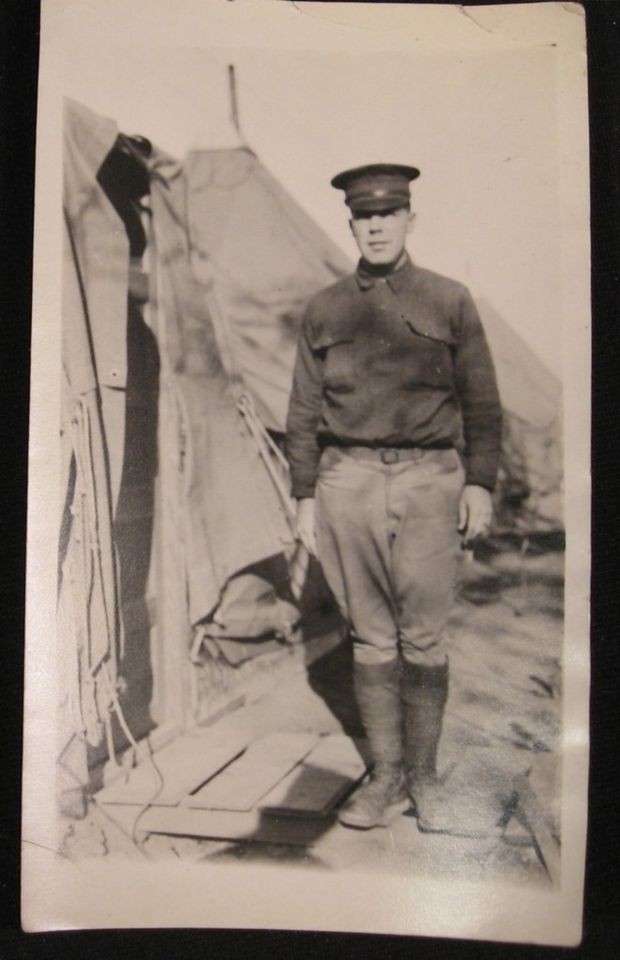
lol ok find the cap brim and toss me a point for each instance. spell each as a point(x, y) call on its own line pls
point(376, 204)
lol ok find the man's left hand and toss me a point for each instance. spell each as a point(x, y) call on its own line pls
point(475, 512)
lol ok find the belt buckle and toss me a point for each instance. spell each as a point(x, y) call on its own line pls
point(390, 455)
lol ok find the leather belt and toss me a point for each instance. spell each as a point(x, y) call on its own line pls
point(388, 454)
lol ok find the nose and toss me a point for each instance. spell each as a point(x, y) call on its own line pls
point(376, 222)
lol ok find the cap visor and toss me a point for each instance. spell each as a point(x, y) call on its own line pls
point(376, 204)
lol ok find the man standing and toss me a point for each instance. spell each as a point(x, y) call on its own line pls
point(393, 376)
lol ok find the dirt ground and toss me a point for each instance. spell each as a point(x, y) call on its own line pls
point(502, 722)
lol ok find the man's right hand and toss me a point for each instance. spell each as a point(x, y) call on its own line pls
point(305, 524)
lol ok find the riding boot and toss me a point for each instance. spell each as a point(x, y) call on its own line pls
point(377, 691)
point(424, 694)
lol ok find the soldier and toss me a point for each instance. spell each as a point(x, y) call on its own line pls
point(393, 439)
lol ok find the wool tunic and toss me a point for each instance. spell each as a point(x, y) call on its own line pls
point(393, 361)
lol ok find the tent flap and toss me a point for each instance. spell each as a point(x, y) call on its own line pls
point(234, 515)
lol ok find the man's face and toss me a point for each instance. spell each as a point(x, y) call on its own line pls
point(380, 236)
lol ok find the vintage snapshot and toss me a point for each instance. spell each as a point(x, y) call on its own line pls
point(308, 556)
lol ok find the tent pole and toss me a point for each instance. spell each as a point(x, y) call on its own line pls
point(234, 108)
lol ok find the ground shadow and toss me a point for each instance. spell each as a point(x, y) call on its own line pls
point(331, 677)
point(289, 837)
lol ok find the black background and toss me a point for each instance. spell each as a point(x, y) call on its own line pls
point(18, 89)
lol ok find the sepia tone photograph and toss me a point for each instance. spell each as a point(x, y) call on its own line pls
point(309, 282)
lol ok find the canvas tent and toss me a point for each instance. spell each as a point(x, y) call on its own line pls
point(529, 494)
point(184, 286)
point(176, 531)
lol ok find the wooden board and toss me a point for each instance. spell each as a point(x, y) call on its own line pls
point(250, 827)
point(314, 787)
point(183, 765)
point(265, 763)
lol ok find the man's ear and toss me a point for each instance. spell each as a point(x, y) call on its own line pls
point(351, 225)
point(410, 220)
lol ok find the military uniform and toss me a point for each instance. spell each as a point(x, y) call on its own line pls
point(394, 407)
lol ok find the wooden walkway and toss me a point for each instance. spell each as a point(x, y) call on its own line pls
point(232, 787)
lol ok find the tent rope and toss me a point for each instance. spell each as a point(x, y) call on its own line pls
point(95, 543)
point(269, 451)
point(85, 575)
point(298, 558)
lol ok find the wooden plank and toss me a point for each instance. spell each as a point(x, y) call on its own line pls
point(263, 764)
point(540, 824)
point(183, 765)
point(249, 827)
point(315, 787)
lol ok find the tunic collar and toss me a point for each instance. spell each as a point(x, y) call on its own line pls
point(397, 277)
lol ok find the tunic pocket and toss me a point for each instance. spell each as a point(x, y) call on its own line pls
point(432, 349)
point(430, 365)
point(338, 353)
point(339, 367)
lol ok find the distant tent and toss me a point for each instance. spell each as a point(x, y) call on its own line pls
point(529, 495)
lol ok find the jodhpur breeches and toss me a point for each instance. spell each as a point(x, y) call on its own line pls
point(388, 543)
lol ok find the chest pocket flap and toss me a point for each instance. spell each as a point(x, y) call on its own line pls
point(332, 333)
point(430, 323)
point(432, 347)
point(335, 341)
